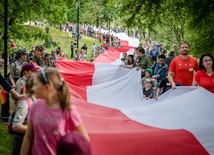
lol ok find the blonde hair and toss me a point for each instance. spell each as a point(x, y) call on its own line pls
point(52, 76)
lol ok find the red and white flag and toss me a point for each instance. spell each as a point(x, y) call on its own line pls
point(121, 122)
point(113, 55)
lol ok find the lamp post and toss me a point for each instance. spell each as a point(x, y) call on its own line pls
point(109, 28)
point(100, 18)
point(77, 9)
point(6, 105)
point(99, 31)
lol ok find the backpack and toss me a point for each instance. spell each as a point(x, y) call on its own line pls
point(11, 118)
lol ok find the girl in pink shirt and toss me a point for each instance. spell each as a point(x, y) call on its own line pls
point(51, 116)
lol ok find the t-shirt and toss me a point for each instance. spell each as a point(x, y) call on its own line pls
point(20, 84)
point(205, 80)
point(15, 69)
point(148, 92)
point(168, 60)
point(38, 60)
point(165, 85)
point(22, 111)
point(183, 70)
point(142, 62)
point(49, 125)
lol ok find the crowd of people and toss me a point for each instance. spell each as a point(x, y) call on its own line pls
point(81, 54)
point(161, 73)
point(39, 121)
point(160, 70)
point(45, 124)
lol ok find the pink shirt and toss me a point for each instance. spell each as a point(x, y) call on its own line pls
point(49, 125)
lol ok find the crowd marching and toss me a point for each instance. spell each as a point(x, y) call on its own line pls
point(32, 74)
point(52, 116)
point(161, 73)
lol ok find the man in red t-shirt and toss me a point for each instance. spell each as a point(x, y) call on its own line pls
point(182, 67)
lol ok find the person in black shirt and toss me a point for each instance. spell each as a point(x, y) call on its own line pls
point(169, 58)
point(163, 87)
point(7, 86)
point(72, 49)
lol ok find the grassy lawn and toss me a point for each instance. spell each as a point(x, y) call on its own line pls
point(62, 41)
point(60, 38)
point(5, 140)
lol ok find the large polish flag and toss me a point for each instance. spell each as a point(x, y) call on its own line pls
point(113, 55)
point(125, 40)
point(121, 122)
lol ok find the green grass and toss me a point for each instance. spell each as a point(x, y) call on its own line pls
point(60, 38)
point(62, 41)
point(5, 140)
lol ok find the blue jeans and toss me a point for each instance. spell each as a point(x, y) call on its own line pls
point(178, 84)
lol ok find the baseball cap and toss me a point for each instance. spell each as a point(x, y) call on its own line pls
point(28, 67)
point(21, 51)
point(150, 71)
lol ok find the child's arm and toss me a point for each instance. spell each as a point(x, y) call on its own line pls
point(27, 142)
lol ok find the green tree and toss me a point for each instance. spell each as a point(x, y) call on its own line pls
point(176, 20)
point(201, 30)
point(53, 12)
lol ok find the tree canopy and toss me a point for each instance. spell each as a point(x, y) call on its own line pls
point(168, 21)
point(175, 20)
